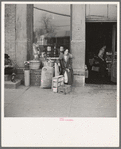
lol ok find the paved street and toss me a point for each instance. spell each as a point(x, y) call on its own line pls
point(88, 101)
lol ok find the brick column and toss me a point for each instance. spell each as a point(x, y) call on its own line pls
point(24, 33)
point(30, 32)
point(78, 43)
point(10, 19)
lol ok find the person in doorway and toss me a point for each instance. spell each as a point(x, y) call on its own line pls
point(66, 63)
point(9, 67)
point(102, 62)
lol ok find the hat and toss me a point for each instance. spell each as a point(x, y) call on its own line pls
point(7, 56)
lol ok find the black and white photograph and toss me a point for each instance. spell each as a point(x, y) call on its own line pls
point(61, 61)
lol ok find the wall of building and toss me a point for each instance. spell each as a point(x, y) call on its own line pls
point(78, 43)
point(101, 12)
point(80, 14)
point(30, 31)
point(10, 28)
point(19, 32)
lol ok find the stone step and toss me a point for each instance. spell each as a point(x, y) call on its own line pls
point(12, 85)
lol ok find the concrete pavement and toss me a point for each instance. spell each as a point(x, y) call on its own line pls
point(88, 101)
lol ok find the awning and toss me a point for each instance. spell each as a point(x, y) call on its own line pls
point(57, 34)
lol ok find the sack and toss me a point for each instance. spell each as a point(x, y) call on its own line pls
point(46, 77)
point(65, 77)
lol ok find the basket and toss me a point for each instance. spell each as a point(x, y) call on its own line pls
point(34, 64)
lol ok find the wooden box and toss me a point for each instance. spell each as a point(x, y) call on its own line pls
point(64, 89)
point(56, 82)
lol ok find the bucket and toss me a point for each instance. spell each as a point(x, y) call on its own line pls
point(34, 64)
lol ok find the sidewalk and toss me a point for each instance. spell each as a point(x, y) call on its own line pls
point(88, 101)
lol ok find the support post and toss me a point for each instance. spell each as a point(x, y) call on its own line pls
point(78, 43)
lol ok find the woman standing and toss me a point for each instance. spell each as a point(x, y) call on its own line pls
point(66, 64)
point(101, 56)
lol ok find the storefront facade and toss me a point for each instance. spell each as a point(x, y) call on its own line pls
point(19, 32)
point(80, 15)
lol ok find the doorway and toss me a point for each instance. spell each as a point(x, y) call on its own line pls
point(99, 34)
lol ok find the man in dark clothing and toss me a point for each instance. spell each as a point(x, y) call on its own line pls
point(101, 56)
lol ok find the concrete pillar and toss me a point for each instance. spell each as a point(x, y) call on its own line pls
point(24, 33)
point(10, 19)
point(78, 42)
point(30, 32)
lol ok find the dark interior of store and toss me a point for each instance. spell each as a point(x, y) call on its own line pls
point(97, 36)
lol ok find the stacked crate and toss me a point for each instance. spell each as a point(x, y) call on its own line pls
point(64, 89)
point(35, 77)
point(56, 82)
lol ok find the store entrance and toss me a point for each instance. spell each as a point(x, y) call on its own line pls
point(99, 35)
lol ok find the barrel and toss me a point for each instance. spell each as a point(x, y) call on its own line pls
point(46, 77)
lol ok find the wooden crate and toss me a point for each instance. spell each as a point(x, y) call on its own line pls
point(64, 89)
point(56, 82)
